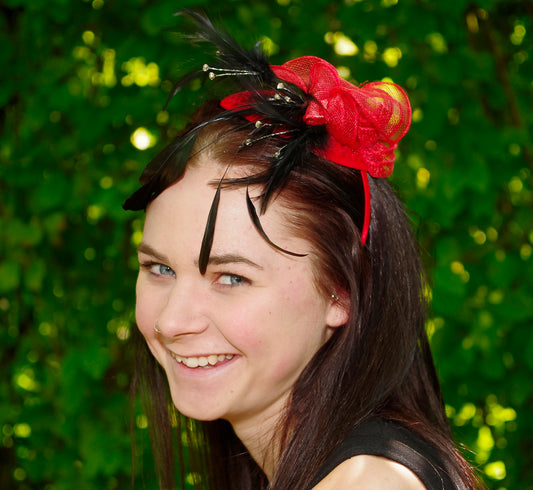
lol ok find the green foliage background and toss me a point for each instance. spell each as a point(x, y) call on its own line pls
point(79, 78)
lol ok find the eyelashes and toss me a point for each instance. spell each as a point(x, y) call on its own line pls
point(231, 280)
point(224, 279)
point(157, 269)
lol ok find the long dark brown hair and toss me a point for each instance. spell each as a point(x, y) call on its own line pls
point(378, 364)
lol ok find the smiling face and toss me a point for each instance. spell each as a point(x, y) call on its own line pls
point(233, 341)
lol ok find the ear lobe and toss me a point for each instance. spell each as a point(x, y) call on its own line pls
point(338, 312)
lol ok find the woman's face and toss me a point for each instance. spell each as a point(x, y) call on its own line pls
point(233, 341)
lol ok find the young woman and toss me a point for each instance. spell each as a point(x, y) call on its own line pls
point(280, 294)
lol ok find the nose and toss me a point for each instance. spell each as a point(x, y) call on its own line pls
point(182, 312)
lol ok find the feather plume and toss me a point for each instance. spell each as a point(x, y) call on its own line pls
point(229, 53)
point(257, 223)
point(209, 232)
point(274, 109)
point(163, 170)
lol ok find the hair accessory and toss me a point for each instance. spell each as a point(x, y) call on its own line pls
point(304, 103)
point(225, 72)
point(364, 123)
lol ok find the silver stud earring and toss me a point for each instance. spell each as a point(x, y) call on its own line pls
point(334, 297)
point(156, 329)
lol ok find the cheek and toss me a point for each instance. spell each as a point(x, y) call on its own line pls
point(143, 317)
point(284, 327)
point(301, 301)
point(302, 318)
point(244, 326)
point(145, 310)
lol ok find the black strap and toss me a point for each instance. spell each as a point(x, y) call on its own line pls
point(379, 437)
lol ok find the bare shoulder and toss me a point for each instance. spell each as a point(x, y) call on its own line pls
point(366, 472)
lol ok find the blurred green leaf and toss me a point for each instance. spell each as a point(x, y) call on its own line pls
point(67, 164)
point(9, 276)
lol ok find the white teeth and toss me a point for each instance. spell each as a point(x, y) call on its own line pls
point(191, 362)
point(203, 361)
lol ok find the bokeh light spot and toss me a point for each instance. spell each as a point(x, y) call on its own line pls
point(142, 139)
point(496, 470)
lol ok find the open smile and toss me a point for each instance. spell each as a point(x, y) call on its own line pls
point(202, 361)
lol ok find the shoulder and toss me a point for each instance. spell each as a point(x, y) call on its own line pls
point(381, 453)
point(366, 472)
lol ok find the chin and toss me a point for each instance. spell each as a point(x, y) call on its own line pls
point(194, 412)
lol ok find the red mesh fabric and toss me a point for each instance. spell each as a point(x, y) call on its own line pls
point(365, 123)
point(240, 101)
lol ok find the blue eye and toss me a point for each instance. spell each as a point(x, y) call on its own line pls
point(231, 280)
point(163, 270)
point(158, 269)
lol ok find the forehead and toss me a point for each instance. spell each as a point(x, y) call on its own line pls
point(179, 214)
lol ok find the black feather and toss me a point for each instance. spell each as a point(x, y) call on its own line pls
point(209, 232)
point(164, 169)
point(257, 223)
point(279, 108)
point(291, 156)
point(230, 54)
point(180, 83)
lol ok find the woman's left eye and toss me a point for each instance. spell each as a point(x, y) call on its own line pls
point(163, 270)
point(157, 269)
point(231, 280)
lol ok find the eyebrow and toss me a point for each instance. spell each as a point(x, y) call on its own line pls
point(230, 259)
point(221, 259)
point(144, 248)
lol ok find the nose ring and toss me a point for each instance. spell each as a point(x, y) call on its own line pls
point(156, 329)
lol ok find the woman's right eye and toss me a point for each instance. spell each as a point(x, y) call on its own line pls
point(158, 269)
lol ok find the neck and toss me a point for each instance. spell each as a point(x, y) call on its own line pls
point(261, 438)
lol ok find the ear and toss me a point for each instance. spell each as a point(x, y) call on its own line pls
point(338, 310)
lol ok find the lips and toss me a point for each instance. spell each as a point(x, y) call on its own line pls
point(202, 361)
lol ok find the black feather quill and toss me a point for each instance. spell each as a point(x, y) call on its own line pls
point(257, 223)
point(164, 169)
point(209, 233)
point(230, 55)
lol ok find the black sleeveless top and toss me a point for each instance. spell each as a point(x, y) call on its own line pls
point(380, 437)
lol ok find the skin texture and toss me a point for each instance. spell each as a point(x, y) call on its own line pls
point(256, 306)
point(370, 473)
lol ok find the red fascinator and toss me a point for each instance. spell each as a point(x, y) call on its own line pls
point(364, 124)
point(306, 103)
